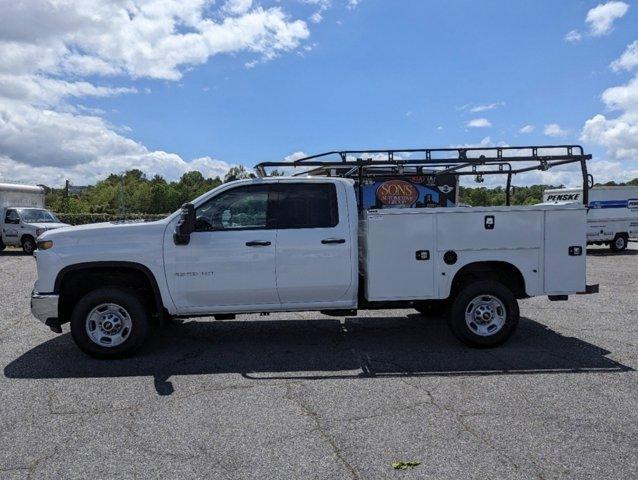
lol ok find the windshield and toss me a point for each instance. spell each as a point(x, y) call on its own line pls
point(37, 215)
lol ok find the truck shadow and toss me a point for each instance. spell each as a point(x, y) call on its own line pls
point(606, 252)
point(601, 251)
point(320, 349)
point(14, 253)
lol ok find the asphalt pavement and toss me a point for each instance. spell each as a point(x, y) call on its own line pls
point(314, 397)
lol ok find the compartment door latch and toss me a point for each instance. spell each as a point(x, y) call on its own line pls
point(575, 251)
point(422, 255)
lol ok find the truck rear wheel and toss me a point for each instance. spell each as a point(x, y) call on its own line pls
point(109, 323)
point(619, 243)
point(28, 245)
point(484, 314)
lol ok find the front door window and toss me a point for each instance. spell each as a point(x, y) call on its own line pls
point(242, 208)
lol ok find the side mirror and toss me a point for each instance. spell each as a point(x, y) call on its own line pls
point(185, 226)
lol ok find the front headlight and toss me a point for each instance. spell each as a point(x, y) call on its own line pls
point(45, 244)
point(39, 231)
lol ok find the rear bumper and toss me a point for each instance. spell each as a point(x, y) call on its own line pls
point(595, 288)
point(589, 289)
point(44, 306)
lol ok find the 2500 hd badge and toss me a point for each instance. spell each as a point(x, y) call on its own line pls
point(193, 274)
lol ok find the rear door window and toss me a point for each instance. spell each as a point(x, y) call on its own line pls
point(306, 205)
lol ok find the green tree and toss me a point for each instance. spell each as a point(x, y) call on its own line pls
point(238, 172)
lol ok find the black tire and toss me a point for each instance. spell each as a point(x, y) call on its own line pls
point(28, 245)
point(132, 305)
point(432, 308)
point(468, 297)
point(2, 245)
point(619, 243)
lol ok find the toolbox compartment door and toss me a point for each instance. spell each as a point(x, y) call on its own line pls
point(565, 269)
point(399, 256)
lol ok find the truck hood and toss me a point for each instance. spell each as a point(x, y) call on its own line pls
point(108, 233)
point(50, 225)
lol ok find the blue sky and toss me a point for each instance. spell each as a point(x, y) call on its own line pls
point(372, 73)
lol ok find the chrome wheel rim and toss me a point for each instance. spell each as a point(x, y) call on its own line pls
point(620, 242)
point(108, 325)
point(485, 315)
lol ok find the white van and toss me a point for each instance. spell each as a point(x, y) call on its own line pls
point(612, 217)
point(23, 217)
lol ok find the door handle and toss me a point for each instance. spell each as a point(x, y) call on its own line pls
point(258, 243)
point(328, 241)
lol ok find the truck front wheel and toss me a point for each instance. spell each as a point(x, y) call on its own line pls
point(619, 243)
point(28, 245)
point(484, 314)
point(109, 323)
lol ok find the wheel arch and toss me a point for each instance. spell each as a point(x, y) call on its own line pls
point(87, 275)
point(504, 272)
point(25, 236)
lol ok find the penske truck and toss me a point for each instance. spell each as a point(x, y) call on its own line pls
point(351, 231)
point(612, 213)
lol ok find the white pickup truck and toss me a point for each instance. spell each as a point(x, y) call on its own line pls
point(23, 216)
point(302, 243)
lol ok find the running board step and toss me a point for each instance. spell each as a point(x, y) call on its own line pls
point(339, 313)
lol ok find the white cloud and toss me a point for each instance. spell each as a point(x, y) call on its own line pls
point(237, 7)
point(573, 36)
point(555, 130)
point(49, 91)
point(141, 39)
point(568, 175)
point(49, 49)
point(618, 135)
point(479, 123)
point(352, 4)
point(439, 128)
point(168, 165)
point(602, 17)
point(322, 6)
point(527, 129)
point(295, 156)
point(617, 129)
point(628, 60)
point(489, 106)
point(485, 142)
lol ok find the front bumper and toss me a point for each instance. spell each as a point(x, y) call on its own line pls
point(44, 307)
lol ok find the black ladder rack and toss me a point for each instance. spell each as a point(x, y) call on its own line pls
point(477, 161)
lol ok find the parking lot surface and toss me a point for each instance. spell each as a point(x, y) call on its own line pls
point(309, 396)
